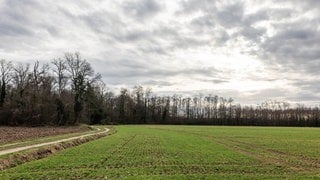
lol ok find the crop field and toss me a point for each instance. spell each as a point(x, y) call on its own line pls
point(185, 152)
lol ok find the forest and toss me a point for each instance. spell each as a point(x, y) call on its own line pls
point(67, 91)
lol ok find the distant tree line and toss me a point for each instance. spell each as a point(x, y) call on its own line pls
point(142, 107)
point(67, 91)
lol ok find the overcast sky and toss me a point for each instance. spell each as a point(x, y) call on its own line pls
point(250, 50)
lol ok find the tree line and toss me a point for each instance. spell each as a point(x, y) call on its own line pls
point(59, 93)
point(67, 91)
point(140, 106)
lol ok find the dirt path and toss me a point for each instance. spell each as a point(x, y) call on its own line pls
point(17, 149)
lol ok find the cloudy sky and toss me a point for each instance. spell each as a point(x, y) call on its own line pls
point(251, 50)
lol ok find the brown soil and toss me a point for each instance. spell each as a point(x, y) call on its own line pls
point(12, 134)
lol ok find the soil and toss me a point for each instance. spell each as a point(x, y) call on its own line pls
point(13, 134)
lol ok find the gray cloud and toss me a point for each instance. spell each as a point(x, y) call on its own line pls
point(310, 86)
point(149, 42)
point(231, 15)
point(206, 21)
point(146, 71)
point(214, 80)
point(13, 29)
point(13, 21)
point(157, 83)
point(142, 8)
point(295, 46)
point(192, 6)
point(252, 34)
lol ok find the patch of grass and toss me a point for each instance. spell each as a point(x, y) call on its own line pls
point(31, 141)
point(185, 152)
point(14, 159)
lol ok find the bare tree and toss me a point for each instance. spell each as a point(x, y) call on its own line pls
point(230, 100)
point(21, 77)
point(122, 105)
point(5, 73)
point(59, 70)
point(81, 74)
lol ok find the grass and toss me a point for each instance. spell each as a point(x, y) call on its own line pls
point(185, 152)
point(33, 141)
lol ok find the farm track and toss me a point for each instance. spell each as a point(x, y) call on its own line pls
point(18, 149)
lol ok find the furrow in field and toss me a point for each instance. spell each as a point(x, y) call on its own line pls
point(270, 156)
point(265, 155)
point(183, 152)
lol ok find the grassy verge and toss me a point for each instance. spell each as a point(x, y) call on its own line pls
point(14, 159)
point(185, 152)
point(32, 141)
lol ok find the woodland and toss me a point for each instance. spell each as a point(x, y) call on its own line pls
point(67, 91)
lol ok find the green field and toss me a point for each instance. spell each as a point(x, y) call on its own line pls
point(185, 152)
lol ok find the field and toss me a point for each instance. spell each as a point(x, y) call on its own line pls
point(185, 152)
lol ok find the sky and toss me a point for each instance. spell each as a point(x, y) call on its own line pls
point(250, 50)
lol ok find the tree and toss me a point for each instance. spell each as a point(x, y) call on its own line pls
point(59, 69)
point(81, 74)
point(230, 100)
point(139, 113)
point(121, 105)
point(5, 73)
point(95, 106)
point(21, 77)
point(61, 79)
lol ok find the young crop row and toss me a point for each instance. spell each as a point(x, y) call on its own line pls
point(174, 152)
